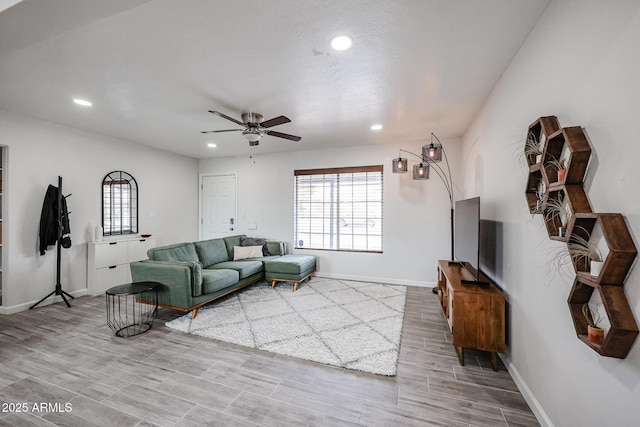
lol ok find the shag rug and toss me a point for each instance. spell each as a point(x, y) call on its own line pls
point(354, 325)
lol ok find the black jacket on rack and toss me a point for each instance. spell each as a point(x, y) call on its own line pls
point(49, 232)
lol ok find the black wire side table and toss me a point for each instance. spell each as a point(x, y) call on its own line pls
point(132, 308)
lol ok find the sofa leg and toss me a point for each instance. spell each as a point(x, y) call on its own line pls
point(194, 313)
point(295, 286)
point(273, 284)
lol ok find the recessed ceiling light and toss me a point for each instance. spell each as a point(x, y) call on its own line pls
point(376, 127)
point(341, 42)
point(211, 145)
point(82, 102)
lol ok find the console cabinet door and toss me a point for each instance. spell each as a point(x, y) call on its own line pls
point(138, 248)
point(108, 277)
point(108, 262)
point(108, 254)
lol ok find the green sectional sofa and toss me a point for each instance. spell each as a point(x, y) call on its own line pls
point(193, 274)
point(289, 268)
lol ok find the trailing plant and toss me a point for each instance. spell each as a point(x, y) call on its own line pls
point(559, 209)
point(558, 165)
point(593, 317)
point(582, 249)
point(532, 147)
point(540, 192)
point(578, 252)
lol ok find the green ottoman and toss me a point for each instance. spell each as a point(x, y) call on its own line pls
point(290, 268)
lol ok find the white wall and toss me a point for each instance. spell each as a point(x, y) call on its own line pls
point(581, 64)
point(414, 211)
point(38, 152)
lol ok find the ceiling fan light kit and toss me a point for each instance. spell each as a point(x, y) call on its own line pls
point(254, 127)
point(252, 135)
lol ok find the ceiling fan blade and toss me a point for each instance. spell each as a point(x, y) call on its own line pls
point(284, 135)
point(218, 131)
point(275, 122)
point(224, 116)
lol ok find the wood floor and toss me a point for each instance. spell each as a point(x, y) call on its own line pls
point(59, 355)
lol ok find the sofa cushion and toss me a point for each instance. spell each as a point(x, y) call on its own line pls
point(211, 252)
point(268, 258)
point(290, 264)
point(254, 241)
point(245, 268)
point(214, 280)
point(245, 252)
point(179, 252)
point(232, 241)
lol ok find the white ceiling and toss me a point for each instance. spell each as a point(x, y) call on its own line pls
point(153, 68)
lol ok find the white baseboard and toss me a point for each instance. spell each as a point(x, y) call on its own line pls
point(386, 280)
point(25, 305)
point(533, 403)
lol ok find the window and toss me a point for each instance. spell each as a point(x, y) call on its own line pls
point(119, 204)
point(339, 209)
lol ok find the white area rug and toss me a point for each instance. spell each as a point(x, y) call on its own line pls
point(355, 325)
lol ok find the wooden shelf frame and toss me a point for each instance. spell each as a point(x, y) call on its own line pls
point(623, 331)
point(579, 153)
point(621, 252)
point(578, 204)
point(531, 192)
point(621, 249)
point(541, 129)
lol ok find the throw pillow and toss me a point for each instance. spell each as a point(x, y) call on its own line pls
point(253, 241)
point(244, 252)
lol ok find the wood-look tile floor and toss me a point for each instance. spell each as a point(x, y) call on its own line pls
point(59, 355)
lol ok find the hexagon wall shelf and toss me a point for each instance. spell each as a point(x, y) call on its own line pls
point(577, 202)
point(531, 192)
point(543, 187)
point(623, 330)
point(579, 153)
point(621, 251)
point(539, 132)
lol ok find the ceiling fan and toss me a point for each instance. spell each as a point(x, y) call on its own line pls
point(255, 128)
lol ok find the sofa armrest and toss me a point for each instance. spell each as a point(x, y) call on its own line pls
point(276, 248)
point(182, 278)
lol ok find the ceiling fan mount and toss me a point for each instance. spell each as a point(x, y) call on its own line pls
point(255, 127)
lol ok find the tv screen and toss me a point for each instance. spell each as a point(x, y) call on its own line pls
point(466, 246)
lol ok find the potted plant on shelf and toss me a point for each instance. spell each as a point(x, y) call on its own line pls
point(560, 210)
point(540, 193)
point(560, 167)
point(533, 149)
point(595, 333)
point(584, 254)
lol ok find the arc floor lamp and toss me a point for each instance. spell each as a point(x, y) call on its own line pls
point(432, 154)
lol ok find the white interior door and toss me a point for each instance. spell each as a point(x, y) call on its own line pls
point(218, 202)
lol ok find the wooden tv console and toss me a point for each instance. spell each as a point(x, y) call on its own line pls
point(475, 313)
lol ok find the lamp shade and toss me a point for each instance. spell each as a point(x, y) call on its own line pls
point(432, 152)
point(252, 135)
point(400, 165)
point(421, 171)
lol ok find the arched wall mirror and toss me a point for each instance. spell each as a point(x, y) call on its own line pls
point(119, 204)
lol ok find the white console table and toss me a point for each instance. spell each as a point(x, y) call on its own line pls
point(108, 261)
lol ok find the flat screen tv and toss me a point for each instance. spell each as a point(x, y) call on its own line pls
point(466, 248)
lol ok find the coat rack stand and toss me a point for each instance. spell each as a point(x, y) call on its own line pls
point(58, 290)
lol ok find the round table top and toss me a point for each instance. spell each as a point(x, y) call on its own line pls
point(132, 288)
